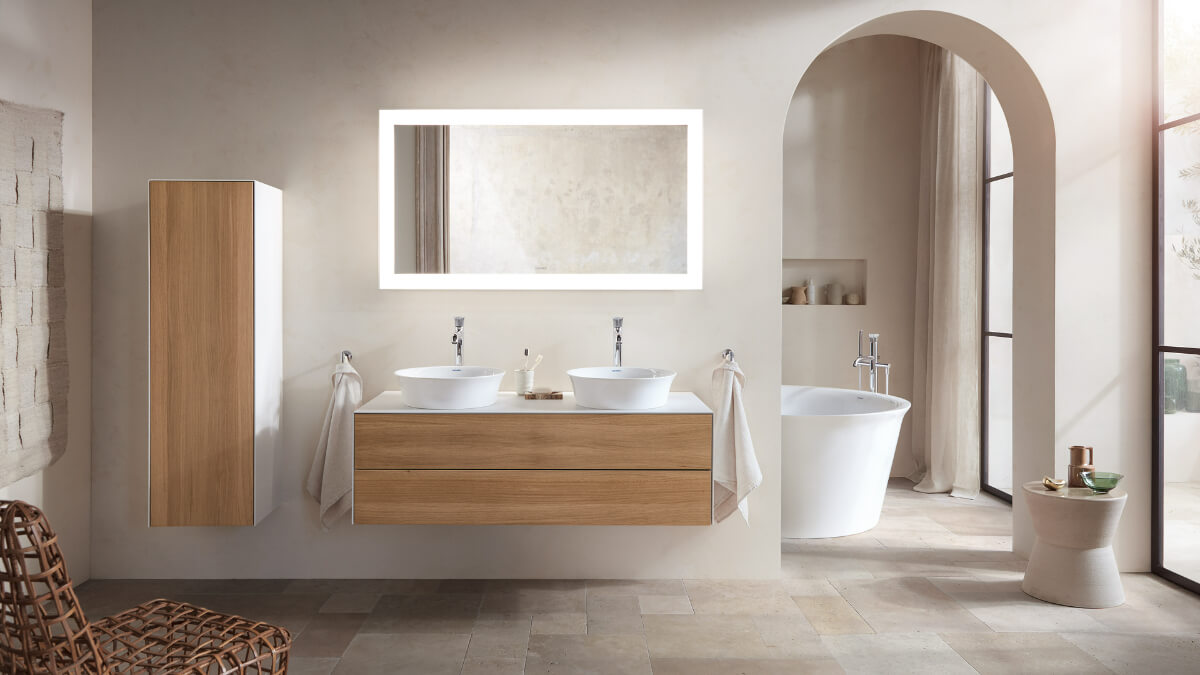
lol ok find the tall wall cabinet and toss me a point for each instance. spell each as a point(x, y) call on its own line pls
point(216, 365)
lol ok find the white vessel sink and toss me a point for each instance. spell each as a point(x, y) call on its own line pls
point(616, 388)
point(449, 387)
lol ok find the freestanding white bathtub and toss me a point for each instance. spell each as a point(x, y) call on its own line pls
point(838, 446)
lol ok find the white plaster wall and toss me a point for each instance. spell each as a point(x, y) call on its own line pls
point(46, 61)
point(851, 176)
point(1103, 244)
point(288, 93)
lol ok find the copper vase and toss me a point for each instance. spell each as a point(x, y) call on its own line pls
point(1081, 460)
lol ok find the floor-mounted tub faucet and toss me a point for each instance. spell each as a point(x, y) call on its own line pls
point(872, 361)
point(457, 340)
point(618, 322)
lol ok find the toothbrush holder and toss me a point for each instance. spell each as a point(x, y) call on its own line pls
point(524, 381)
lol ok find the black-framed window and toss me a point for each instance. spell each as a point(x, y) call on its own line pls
point(995, 382)
point(1175, 546)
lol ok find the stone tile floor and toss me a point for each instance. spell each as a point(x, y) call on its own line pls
point(932, 589)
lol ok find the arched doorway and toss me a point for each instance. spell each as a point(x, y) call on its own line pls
point(1033, 141)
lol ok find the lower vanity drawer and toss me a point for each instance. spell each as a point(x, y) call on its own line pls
point(532, 497)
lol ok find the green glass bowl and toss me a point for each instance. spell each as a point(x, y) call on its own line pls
point(1101, 481)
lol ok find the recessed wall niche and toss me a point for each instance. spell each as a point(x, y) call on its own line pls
point(824, 273)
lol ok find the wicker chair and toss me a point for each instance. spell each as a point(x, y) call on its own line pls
point(43, 629)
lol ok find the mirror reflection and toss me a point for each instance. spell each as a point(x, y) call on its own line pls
point(562, 199)
point(539, 199)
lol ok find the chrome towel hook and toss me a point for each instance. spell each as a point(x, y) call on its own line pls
point(727, 354)
point(347, 356)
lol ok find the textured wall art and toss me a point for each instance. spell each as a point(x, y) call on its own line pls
point(33, 301)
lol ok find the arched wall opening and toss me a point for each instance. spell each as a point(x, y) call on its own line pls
point(1032, 129)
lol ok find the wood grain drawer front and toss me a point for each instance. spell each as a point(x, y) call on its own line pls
point(533, 497)
point(532, 441)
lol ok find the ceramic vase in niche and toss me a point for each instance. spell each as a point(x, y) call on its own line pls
point(1175, 387)
point(1080, 461)
point(814, 293)
point(799, 295)
point(853, 298)
point(834, 293)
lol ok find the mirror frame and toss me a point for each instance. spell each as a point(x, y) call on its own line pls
point(690, 280)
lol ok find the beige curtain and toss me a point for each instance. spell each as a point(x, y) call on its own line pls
point(949, 238)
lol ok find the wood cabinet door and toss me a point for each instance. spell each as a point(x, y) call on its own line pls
point(201, 353)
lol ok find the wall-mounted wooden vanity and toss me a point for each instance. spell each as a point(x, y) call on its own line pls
point(521, 462)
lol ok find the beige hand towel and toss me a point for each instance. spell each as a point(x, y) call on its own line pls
point(331, 478)
point(735, 468)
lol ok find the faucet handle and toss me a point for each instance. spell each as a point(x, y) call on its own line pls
point(860, 334)
point(458, 321)
point(618, 322)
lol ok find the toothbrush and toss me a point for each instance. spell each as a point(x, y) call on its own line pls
point(526, 364)
point(536, 362)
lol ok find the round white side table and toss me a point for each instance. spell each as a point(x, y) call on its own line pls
point(1072, 560)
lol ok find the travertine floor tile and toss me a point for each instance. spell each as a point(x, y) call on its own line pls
point(493, 666)
point(822, 564)
point(1004, 653)
point(817, 666)
point(931, 565)
point(809, 588)
point(1004, 607)
point(1137, 654)
point(895, 654)
point(569, 623)
point(327, 635)
point(985, 521)
point(1152, 605)
point(832, 615)
point(703, 636)
point(405, 654)
point(739, 597)
point(587, 654)
point(614, 615)
point(435, 613)
point(350, 603)
point(665, 604)
point(906, 605)
point(534, 596)
point(311, 666)
point(499, 639)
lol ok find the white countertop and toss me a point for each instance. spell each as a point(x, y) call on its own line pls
point(678, 403)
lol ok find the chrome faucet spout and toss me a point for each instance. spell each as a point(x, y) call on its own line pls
point(457, 340)
point(618, 341)
point(872, 363)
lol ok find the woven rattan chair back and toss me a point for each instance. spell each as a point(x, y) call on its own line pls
point(42, 626)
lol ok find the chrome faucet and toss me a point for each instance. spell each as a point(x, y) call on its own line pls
point(618, 321)
point(457, 340)
point(872, 362)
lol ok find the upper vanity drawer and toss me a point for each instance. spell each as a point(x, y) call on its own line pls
point(532, 441)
